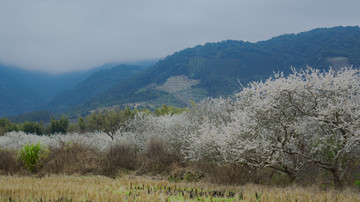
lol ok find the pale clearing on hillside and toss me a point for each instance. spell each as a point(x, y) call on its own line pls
point(177, 83)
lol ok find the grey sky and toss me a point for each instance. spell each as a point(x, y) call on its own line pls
point(68, 35)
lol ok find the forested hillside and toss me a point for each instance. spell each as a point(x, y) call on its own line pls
point(93, 86)
point(214, 69)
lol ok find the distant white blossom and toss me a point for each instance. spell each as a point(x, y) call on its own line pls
point(15, 140)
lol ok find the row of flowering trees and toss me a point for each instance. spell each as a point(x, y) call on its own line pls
point(284, 123)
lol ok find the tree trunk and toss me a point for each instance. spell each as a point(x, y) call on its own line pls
point(292, 177)
point(289, 172)
point(336, 179)
point(110, 135)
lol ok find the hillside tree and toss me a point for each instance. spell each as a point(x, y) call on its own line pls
point(110, 122)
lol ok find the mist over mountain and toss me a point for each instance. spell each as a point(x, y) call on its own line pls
point(24, 91)
point(212, 69)
point(93, 86)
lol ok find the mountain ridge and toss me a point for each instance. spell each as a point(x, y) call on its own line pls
point(220, 65)
point(208, 70)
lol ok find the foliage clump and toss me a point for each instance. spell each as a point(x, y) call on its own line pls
point(7, 126)
point(111, 121)
point(31, 154)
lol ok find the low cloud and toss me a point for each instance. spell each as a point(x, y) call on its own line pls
point(61, 36)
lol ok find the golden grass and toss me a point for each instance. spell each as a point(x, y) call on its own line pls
point(99, 188)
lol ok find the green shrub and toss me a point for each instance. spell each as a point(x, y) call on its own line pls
point(357, 184)
point(31, 154)
point(32, 128)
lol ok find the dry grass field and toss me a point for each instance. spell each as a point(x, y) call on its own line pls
point(132, 188)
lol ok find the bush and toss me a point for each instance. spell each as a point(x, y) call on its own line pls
point(228, 173)
point(118, 156)
point(157, 158)
point(357, 184)
point(8, 163)
point(31, 154)
point(71, 158)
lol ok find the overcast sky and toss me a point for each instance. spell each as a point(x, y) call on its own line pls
point(67, 35)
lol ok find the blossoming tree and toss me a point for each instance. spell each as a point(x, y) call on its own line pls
point(286, 122)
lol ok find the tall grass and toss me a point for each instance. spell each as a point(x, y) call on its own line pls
point(96, 188)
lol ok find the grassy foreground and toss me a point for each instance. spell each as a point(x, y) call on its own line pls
point(98, 188)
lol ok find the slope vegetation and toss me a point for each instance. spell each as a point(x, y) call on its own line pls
point(93, 86)
point(219, 67)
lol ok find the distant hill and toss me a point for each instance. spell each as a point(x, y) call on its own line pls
point(214, 69)
point(93, 86)
point(24, 91)
point(43, 84)
point(15, 96)
point(209, 70)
